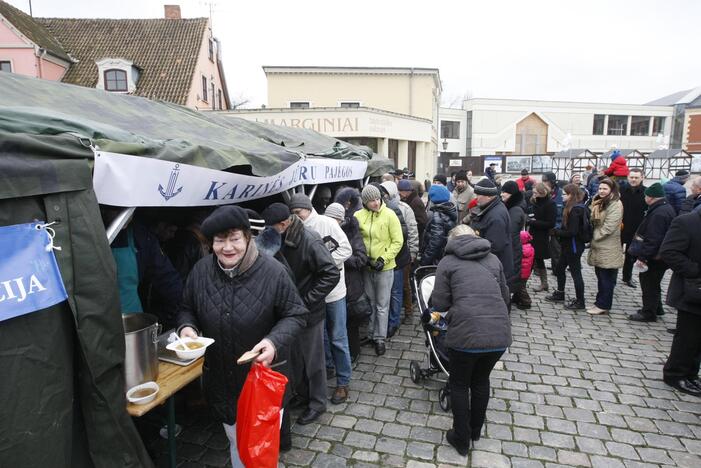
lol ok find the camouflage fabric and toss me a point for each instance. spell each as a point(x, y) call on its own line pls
point(134, 125)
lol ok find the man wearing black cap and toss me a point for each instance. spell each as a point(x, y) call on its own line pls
point(463, 194)
point(491, 221)
point(491, 173)
point(644, 248)
point(675, 191)
point(316, 276)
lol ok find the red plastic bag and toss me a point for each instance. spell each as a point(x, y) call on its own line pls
point(258, 417)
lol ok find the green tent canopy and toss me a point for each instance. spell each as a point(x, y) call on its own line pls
point(138, 126)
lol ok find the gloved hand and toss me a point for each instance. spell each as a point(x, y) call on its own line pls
point(379, 264)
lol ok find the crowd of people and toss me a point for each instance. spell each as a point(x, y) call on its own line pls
point(310, 282)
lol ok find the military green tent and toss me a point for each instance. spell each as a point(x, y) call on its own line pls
point(62, 393)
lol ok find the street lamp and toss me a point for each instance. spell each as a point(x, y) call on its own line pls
point(445, 144)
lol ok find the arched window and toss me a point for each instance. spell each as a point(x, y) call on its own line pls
point(116, 80)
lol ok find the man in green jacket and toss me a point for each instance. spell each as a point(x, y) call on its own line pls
point(382, 235)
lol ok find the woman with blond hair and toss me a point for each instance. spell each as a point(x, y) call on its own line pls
point(540, 221)
point(605, 251)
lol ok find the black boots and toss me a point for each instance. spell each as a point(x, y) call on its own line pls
point(556, 296)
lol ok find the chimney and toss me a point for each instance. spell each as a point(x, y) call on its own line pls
point(172, 11)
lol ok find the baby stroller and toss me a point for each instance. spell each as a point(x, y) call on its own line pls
point(437, 360)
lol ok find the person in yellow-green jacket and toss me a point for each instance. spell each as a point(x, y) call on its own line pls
point(382, 236)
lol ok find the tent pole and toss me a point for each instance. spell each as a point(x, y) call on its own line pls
point(365, 182)
point(119, 222)
point(313, 192)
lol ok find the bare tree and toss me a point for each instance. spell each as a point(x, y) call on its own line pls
point(455, 100)
point(240, 101)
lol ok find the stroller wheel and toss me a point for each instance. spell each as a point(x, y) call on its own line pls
point(415, 372)
point(444, 398)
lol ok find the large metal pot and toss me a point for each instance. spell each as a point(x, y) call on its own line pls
point(141, 337)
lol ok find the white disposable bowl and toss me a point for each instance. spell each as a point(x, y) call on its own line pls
point(190, 353)
point(153, 386)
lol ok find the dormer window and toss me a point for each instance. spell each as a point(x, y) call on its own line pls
point(117, 75)
point(116, 80)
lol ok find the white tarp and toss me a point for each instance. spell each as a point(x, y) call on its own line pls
point(125, 180)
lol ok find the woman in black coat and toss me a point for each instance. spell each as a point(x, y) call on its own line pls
point(540, 222)
point(470, 287)
point(245, 301)
point(681, 250)
point(513, 199)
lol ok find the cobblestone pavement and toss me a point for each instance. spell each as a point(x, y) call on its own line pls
point(572, 390)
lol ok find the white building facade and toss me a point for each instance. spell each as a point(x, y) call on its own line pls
point(506, 127)
point(394, 111)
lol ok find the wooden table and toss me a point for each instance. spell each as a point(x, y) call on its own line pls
point(171, 378)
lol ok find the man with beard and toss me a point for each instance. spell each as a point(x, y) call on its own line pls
point(463, 194)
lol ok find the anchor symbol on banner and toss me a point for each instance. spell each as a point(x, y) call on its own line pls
point(170, 191)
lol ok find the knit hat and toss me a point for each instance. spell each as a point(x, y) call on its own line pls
point(335, 211)
point(682, 175)
point(300, 200)
point(441, 178)
point(461, 175)
point(224, 218)
point(370, 193)
point(391, 188)
point(510, 187)
point(615, 154)
point(438, 194)
point(486, 187)
point(275, 213)
point(655, 190)
point(404, 185)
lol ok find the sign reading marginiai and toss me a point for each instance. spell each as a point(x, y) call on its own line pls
point(125, 180)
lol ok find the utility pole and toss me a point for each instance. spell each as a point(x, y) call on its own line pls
point(30, 9)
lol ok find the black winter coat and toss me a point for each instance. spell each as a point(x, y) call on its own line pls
point(470, 285)
point(403, 258)
point(570, 233)
point(543, 220)
point(517, 218)
point(315, 271)
point(651, 232)
point(357, 262)
point(261, 302)
point(492, 223)
point(634, 208)
point(690, 203)
point(681, 250)
point(443, 217)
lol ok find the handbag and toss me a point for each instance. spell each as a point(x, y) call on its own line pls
point(360, 309)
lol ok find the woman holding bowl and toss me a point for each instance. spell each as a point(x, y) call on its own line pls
point(244, 301)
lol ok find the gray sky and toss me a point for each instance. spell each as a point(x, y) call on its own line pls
point(619, 51)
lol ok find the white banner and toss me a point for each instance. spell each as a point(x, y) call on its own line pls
point(124, 180)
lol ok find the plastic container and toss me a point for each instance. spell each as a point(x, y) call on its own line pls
point(143, 394)
point(190, 353)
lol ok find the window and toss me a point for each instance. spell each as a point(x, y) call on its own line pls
point(299, 105)
point(6, 66)
point(350, 105)
point(204, 88)
point(599, 120)
point(450, 129)
point(211, 49)
point(214, 96)
point(618, 125)
point(639, 125)
point(116, 80)
point(658, 125)
point(219, 99)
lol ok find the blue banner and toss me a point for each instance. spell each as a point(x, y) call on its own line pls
point(29, 275)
